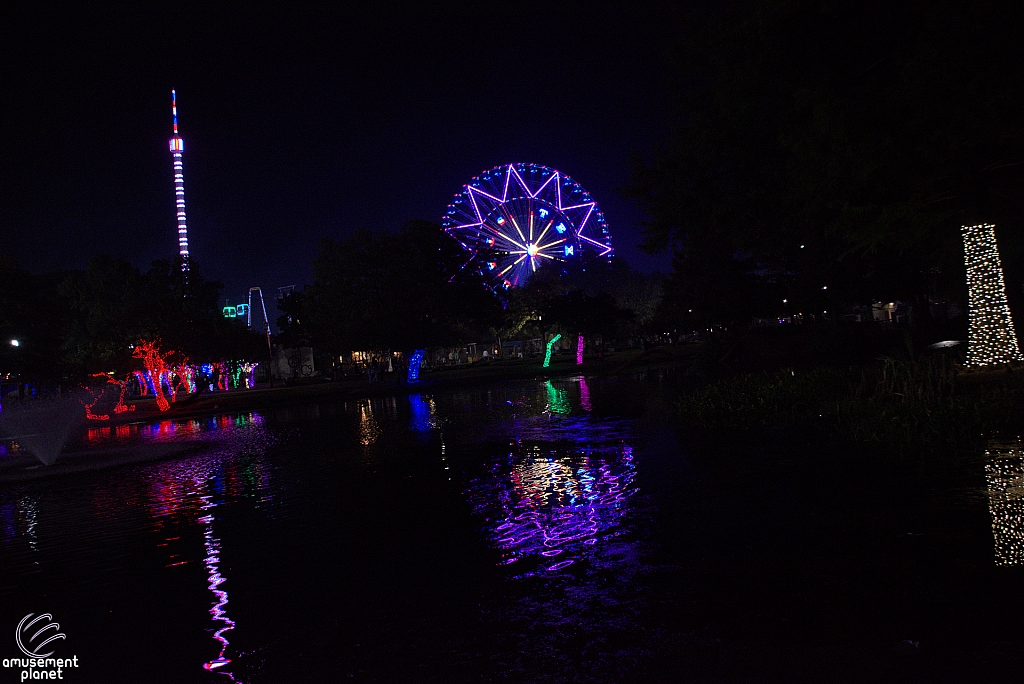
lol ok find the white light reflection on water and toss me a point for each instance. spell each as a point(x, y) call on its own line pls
point(19, 518)
point(369, 428)
point(1004, 475)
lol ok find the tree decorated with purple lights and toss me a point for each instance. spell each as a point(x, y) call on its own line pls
point(513, 218)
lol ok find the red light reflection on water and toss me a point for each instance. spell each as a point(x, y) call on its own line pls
point(169, 429)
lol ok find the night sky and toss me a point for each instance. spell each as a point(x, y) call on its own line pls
point(309, 123)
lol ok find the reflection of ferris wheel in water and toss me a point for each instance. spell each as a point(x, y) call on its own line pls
point(515, 217)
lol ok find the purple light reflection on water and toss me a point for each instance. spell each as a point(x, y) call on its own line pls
point(192, 488)
point(184, 492)
point(212, 562)
point(585, 395)
point(554, 504)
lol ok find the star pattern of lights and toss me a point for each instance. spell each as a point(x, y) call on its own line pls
point(515, 217)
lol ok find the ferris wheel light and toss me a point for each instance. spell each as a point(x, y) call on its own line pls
point(504, 217)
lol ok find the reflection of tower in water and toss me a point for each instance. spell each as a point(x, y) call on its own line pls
point(1004, 475)
point(192, 488)
point(219, 614)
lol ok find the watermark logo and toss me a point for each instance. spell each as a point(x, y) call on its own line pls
point(47, 631)
point(34, 635)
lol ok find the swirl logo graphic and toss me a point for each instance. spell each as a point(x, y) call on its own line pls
point(31, 643)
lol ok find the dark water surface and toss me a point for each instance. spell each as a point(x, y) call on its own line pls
point(543, 531)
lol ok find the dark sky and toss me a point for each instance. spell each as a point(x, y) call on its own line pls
point(309, 123)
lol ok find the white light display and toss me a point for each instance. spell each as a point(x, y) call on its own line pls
point(1004, 475)
point(991, 339)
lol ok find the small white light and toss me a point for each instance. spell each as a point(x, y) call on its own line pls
point(15, 343)
point(784, 301)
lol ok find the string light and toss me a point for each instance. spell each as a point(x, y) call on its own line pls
point(414, 365)
point(991, 338)
point(1004, 475)
point(164, 381)
point(156, 366)
point(119, 408)
point(177, 146)
point(547, 355)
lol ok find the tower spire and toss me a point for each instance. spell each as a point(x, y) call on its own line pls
point(177, 146)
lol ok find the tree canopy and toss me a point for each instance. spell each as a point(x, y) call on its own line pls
point(841, 145)
point(69, 324)
point(390, 291)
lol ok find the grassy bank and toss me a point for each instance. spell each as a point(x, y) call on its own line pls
point(902, 402)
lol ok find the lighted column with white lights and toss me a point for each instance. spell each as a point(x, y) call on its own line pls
point(991, 338)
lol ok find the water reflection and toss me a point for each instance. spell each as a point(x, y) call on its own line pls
point(191, 488)
point(551, 504)
point(212, 561)
point(557, 400)
point(171, 430)
point(18, 518)
point(1004, 475)
point(369, 428)
point(424, 413)
point(564, 485)
point(585, 395)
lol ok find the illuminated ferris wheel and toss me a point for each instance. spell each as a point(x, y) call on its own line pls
point(515, 217)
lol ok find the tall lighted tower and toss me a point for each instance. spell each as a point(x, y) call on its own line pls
point(177, 148)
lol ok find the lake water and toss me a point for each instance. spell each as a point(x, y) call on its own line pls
point(541, 531)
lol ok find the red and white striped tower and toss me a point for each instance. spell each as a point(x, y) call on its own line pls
point(177, 148)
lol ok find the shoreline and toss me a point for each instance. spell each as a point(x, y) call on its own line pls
point(24, 466)
point(472, 374)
